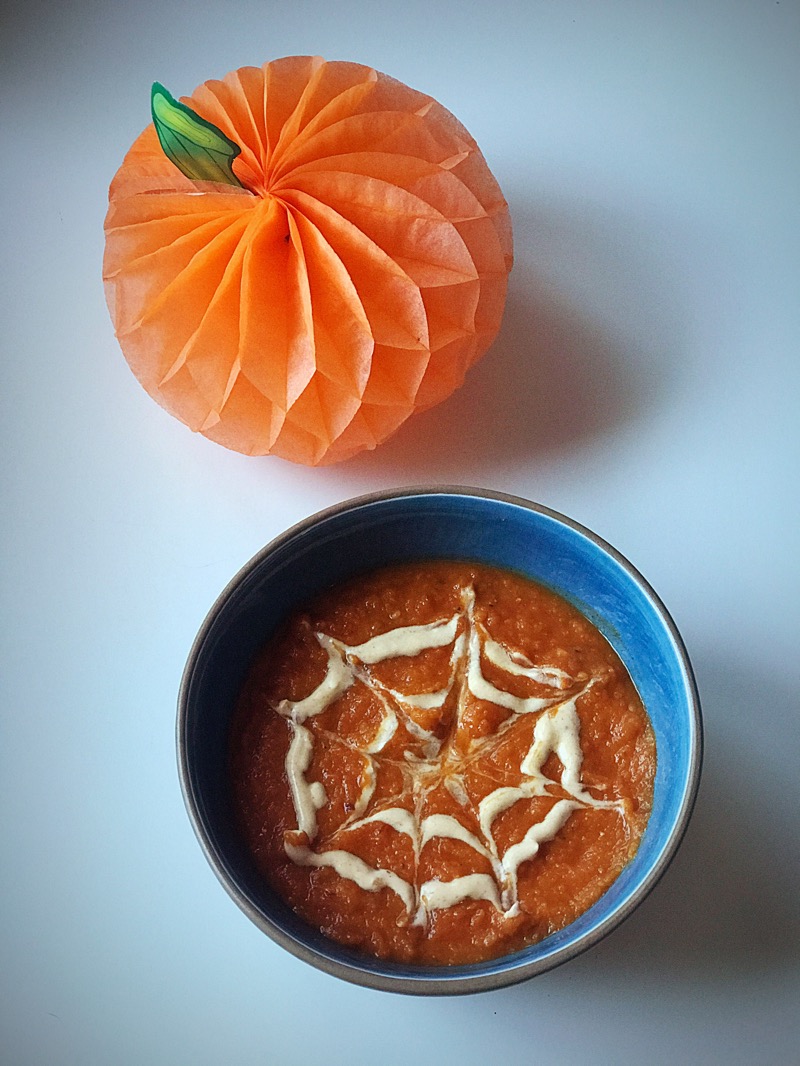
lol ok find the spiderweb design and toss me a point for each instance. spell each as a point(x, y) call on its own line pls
point(428, 774)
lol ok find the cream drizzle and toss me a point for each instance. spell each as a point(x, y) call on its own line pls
point(557, 730)
point(307, 796)
point(528, 847)
point(485, 690)
point(438, 895)
point(354, 869)
point(445, 826)
point(338, 678)
point(405, 640)
point(521, 666)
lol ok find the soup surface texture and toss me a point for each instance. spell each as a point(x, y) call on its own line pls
point(440, 763)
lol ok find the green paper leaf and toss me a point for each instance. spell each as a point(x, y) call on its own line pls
point(196, 147)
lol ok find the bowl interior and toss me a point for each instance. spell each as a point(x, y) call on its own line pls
point(467, 524)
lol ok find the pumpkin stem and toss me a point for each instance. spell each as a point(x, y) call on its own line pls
point(198, 148)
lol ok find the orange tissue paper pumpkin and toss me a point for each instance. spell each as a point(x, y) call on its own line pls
point(301, 255)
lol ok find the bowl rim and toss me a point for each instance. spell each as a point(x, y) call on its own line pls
point(443, 980)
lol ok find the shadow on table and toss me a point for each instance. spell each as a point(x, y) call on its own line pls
point(592, 341)
point(553, 382)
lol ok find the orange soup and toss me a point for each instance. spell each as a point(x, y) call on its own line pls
point(440, 763)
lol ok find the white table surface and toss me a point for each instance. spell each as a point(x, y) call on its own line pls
point(645, 382)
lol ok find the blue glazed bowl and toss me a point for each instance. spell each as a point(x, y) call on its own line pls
point(385, 528)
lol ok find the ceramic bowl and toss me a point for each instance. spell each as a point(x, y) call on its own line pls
point(450, 522)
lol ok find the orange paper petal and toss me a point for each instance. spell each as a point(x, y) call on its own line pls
point(354, 280)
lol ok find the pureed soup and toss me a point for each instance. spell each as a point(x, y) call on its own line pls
point(440, 763)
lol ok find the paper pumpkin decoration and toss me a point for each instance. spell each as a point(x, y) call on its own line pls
point(301, 255)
